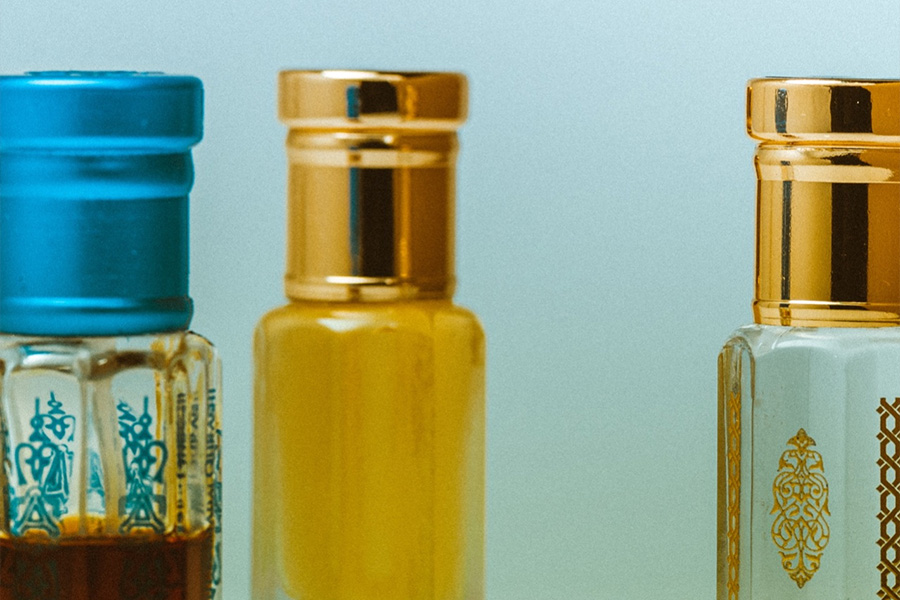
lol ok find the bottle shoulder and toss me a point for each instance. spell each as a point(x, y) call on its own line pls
point(97, 354)
point(764, 339)
point(341, 317)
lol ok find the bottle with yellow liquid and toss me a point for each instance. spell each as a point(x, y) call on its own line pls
point(369, 387)
point(809, 395)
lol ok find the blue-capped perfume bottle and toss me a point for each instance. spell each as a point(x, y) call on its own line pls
point(109, 406)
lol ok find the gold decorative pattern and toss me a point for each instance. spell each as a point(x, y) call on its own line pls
point(889, 489)
point(733, 458)
point(800, 531)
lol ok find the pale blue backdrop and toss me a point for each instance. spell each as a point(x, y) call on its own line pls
point(605, 233)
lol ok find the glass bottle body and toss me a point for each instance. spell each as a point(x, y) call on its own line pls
point(111, 484)
point(809, 464)
point(369, 477)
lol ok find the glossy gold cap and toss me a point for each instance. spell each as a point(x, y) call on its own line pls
point(371, 186)
point(828, 201)
point(858, 112)
point(367, 99)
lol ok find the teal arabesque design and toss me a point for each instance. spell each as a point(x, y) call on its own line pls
point(144, 458)
point(43, 468)
point(43, 464)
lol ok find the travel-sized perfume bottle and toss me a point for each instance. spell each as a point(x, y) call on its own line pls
point(369, 407)
point(809, 395)
point(109, 407)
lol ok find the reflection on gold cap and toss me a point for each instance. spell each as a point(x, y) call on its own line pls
point(828, 201)
point(371, 183)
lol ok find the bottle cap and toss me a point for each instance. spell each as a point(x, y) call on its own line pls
point(824, 110)
point(371, 185)
point(372, 99)
point(828, 201)
point(95, 170)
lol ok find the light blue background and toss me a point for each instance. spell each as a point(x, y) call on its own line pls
point(606, 197)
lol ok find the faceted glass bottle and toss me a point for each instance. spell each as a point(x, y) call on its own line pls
point(110, 430)
point(809, 395)
point(369, 410)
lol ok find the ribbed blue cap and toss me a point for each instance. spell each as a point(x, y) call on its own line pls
point(95, 170)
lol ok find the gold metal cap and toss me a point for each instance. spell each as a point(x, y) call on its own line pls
point(367, 99)
point(828, 202)
point(857, 111)
point(371, 187)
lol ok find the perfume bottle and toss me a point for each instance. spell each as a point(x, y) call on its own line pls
point(109, 407)
point(809, 395)
point(369, 387)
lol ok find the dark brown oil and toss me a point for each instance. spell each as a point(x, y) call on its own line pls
point(106, 568)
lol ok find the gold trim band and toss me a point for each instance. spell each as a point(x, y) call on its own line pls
point(889, 495)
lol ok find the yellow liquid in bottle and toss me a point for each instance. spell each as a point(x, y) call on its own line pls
point(369, 479)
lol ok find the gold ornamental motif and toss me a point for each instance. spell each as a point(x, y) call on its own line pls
point(733, 457)
point(800, 531)
point(889, 490)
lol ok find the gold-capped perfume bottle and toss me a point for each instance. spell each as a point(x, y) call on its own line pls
point(369, 397)
point(809, 395)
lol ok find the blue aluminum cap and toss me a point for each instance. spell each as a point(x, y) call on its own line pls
point(95, 170)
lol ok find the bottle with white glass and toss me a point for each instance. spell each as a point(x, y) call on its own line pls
point(809, 395)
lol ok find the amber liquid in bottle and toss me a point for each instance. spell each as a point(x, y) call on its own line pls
point(369, 410)
point(173, 567)
point(376, 491)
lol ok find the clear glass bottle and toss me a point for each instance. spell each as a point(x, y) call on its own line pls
point(110, 431)
point(809, 395)
point(369, 409)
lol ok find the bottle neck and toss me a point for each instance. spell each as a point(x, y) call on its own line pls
point(370, 215)
point(828, 235)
